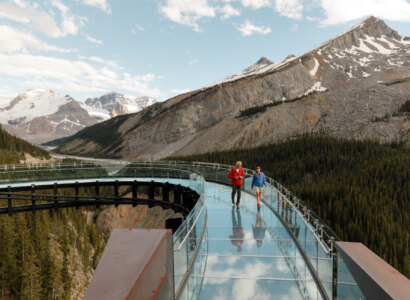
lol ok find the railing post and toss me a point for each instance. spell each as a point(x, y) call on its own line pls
point(177, 194)
point(33, 201)
point(97, 193)
point(76, 194)
point(335, 273)
point(116, 193)
point(151, 194)
point(9, 204)
point(134, 193)
point(55, 196)
point(165, 191)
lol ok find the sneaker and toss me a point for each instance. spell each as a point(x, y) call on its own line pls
point(233, 202)
point(237, 206)
point(259, 204)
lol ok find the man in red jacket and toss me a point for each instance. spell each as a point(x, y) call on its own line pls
point(236, 174)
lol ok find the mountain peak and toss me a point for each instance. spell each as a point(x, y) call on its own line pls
point(34, 92)
point(113, 103)
point(370, 27)
point(371, 19)
point(264, 61)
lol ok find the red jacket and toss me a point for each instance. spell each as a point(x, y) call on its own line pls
point(233, 174)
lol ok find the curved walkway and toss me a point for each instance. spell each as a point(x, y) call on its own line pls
point(247, 254)
point(270, 253)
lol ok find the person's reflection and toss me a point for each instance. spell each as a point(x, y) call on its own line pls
point(258, 229)
point(296, 230)
point(192, 239)
point(286, 215)
point(237, 236)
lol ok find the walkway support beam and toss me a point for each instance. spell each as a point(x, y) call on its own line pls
point(375, 277)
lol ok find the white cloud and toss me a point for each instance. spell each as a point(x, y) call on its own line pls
point(13, 40)
point(36, 20)
point(289, 8)
point(256, 4)
point(229, 11)
point(101, 4)
point(187, 12)
point(42, 21)
point(248, 28)
point(21, 3)
point(342, 11)
point(139, 28)
point(69, 23)
point(72, 75)
point(94, 40)
point(101, 60)
point(193, 62)
point(312, 19)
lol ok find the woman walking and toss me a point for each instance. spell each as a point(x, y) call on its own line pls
point(258, 182)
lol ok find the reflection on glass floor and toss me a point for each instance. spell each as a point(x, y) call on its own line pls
point(247, 254)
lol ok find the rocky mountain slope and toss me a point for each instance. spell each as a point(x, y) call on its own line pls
point(349, 86)
point(42, 115)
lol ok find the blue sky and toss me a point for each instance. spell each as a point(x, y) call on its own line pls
point(163, 47)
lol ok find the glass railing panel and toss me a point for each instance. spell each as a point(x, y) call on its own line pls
point(325, 270)
point(347, 287)
point(180, 261)
point(188, 237)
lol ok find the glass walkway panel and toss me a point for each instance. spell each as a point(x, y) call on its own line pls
point(246, 254)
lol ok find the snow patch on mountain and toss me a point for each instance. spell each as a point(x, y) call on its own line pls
point(316, 88)
point(261, 66)
point(32, 104)
point(113, 104)
point(315, 68)
point(39, 115)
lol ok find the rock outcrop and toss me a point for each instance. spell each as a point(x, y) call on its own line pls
point(126, 216)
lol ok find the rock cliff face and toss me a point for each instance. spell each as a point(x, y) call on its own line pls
point(126, 216)
point(338, 88)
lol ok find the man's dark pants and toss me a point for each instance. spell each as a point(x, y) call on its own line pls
point(236, 189)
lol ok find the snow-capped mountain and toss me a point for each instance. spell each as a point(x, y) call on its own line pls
point(113, 104)
point(259, 67)
point(340, 87)
point(40, 115)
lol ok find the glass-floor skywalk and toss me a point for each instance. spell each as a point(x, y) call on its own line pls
point(247, 254)
point(280, 251)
